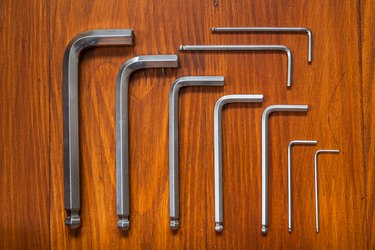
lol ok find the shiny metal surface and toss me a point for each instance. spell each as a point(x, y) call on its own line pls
point(266, 113)
point(174, 186)
point(270, 30)
point(218, 150)
point(122, 133)
point(290, 162)
point(321, 151)
point(246, 48)
point(82, 41)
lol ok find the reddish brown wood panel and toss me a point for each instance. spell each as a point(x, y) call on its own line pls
point(24, 125)
point(34, 37)
point(329, 85)
point(368, 82)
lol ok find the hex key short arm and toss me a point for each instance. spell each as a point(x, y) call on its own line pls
point(269, 30)
point(122, 133)
point(174, 186)
point(218, 150)
point(266, 113)
point(246, 48)
point(332, 151)
point(290, 162)
point(82, 41)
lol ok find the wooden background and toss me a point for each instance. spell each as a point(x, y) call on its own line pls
point(337, 86)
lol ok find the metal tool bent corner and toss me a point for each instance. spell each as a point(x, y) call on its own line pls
point(122, 133)
point(218, 150)
point(93, 38)
point(174, 186)
point(268, 30)
point(321, 151)
point(266, 114)
point(290, 163)
point(246, 48)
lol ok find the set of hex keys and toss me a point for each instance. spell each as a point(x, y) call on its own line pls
point(125, 37)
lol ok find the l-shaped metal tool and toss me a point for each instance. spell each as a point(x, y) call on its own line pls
point(122, 133)
point(218, 151)
point(82, 41)
point(174, 186)
point(246, 48)
point(332, 151)
point(290, 162)
point(270, 30)
point(266, 114)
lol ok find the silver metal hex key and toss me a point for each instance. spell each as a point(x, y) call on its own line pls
point(93, 38)
point(122, 129)
point(270, 30)
point(266, 114)
point(246, 48)
point(218, 161)
point(321, 151)
point(174, 186)
point(290, 163)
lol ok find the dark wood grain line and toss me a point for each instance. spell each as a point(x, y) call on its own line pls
point(24, 125)
point(368, 81)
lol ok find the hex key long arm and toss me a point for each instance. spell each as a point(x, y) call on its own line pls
point(271, 30)
point(82, 41)
point(246, 48)
point(329, 151)
point(174, 186)
point(290, 162)
point(266, 114)
point(122, 127)
point(218, 151)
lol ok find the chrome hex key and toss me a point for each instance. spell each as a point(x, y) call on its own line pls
point(122, 130)
point(93, 38)
point(218, 151)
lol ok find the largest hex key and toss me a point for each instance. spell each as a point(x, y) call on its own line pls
point(266, 113)
point(82, 41)
point(122, 127)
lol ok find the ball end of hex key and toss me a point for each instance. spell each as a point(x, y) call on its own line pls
point(174, 224)
point(123, 223)
point(264, 229)
point(219, 227)
point(80, 42)
point(73, 220)
point(269, 29)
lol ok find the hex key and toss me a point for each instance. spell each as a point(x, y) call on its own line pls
point(269, 30)
point(122, 123)
point(174, 186)
point(82, 41)
point(246, 48)
point(332, 151)
point(290, 162)
point(266, 113)
point(218, 151)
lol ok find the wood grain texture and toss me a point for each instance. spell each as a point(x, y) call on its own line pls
point(330, 86)
point(31, 160)
point(368, 82)
point(24, 125)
